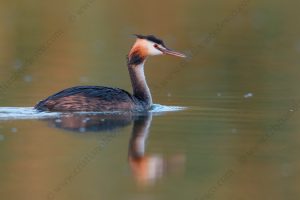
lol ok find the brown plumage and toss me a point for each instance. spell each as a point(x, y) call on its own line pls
point(98, 98)
point(90, 98)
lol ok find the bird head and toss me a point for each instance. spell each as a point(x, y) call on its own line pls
point(149, 45)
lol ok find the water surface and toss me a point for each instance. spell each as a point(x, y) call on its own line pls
point(237, 138)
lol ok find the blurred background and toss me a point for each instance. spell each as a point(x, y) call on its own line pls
point(240, 80)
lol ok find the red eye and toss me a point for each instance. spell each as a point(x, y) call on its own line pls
point(155, 45)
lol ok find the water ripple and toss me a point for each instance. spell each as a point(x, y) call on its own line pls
point(17, 113)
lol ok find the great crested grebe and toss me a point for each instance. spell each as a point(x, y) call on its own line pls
point(99, 98)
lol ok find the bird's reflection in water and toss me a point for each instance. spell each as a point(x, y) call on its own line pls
point(146, 169)
point(92, 122)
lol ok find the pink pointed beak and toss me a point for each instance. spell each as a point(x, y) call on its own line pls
point(168, 51)
point(173, 53)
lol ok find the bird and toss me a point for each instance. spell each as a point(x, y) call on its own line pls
point(107, 99)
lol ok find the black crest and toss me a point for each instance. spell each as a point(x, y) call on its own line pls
point(151, 38)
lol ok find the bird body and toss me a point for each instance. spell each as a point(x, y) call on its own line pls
point(103, 99)
point(91, 98)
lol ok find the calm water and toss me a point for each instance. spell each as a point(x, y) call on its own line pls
point(236, 138)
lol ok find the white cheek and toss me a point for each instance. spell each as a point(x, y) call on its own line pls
point(152, 50)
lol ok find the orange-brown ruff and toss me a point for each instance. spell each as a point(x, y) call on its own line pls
point(99, 98)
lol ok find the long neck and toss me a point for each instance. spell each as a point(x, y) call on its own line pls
point(138, 81)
